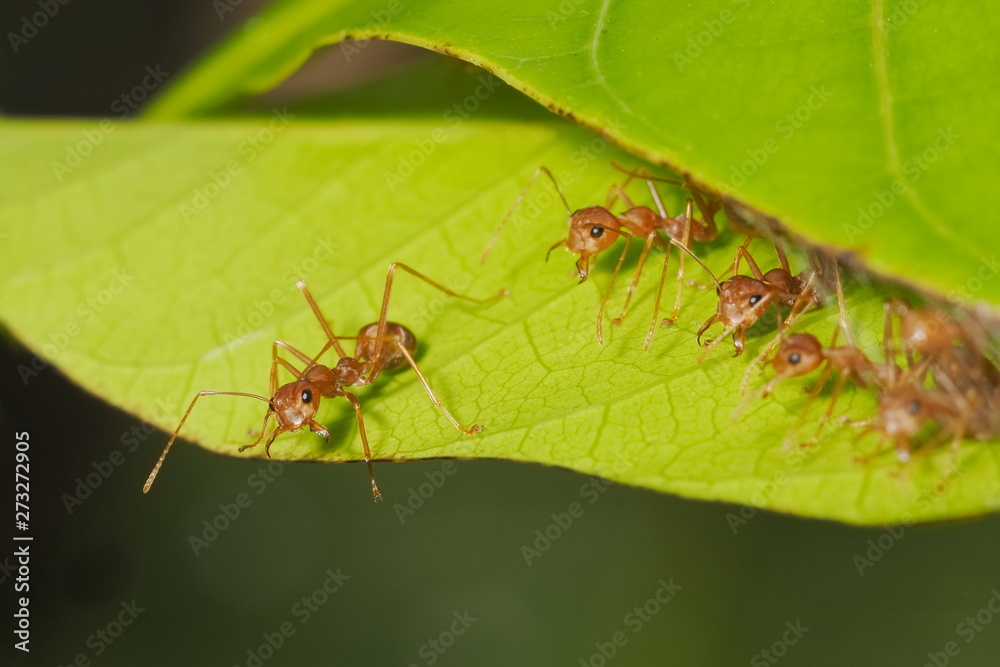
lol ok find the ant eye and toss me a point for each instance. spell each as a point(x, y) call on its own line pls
point(914, 407)
point(718, 291)
point(596, 232)
point(794, 358)
point(307, 396)
point(755, 299)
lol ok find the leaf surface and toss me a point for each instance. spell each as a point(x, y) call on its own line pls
point(863, 125)
point(166, 259)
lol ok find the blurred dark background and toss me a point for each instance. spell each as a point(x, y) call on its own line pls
point(115, 577)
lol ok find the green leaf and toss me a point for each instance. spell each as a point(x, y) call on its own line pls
point(863, 125)
point(166, 258)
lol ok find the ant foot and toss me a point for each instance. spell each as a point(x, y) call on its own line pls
point(667, 322)
point(476, 428)
point(617, 321)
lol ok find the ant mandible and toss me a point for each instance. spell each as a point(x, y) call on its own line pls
point(382, 345)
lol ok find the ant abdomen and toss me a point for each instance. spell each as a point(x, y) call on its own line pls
point(395, 336)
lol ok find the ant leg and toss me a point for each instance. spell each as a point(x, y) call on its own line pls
point(263, 429)
point(780, 252)
point(837, 389)
point(709, 345)
point(611, 286)
point(517, 203)
point(387, 293)
point(364, 441)
point(278, 361)
point(159, 462)
point(322, 320)
point(888, 345)
point(686, 241)
point(635, 280)
point(476, 428)
point(616, 192)
point(742, 250)
point(656, 302)
point(553, 247)
point(840, 304)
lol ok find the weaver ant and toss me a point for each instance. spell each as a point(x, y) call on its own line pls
point(744, 299)
point(595, 228)
point(906, 405)
point(382, 345)
point(802, 353)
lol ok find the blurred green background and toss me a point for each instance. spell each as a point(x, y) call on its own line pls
point(414, 584)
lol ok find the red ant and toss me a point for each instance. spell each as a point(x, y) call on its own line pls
point(802, 353)
point(595, 228)
point(906, 405)
point(380, 346)
point(954, 353)
point(744, 299)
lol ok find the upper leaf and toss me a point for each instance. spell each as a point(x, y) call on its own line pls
point(865, 125)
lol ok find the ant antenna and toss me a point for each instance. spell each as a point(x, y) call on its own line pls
point(517, 203)
point(159, 463)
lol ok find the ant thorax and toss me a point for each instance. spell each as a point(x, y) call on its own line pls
point(350, 372)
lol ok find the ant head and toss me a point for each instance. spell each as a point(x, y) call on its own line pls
point(904, 411)
point(591, 230)
point(797, 355)
point(742, 300)
point(395, 337)
point(295, 404)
